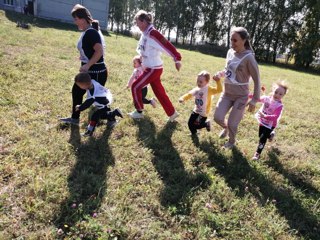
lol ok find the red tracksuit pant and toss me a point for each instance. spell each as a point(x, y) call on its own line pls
point(152, 77)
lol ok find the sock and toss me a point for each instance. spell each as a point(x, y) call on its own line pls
point(92, 125)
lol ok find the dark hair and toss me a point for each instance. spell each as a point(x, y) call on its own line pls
point(144, 16)
point(81, 12)
point(95, 25)
point(82, 78)
point(244, 36)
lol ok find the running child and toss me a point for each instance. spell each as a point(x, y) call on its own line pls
point(100, 97)
point(203, 98)
point(269, 115)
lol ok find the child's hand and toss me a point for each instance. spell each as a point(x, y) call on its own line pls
point(77, 108)
point(178, 66)
point(261, 114)
point(251, 106)
point(216, 77)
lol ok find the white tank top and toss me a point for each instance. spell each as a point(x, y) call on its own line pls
point(230, 70)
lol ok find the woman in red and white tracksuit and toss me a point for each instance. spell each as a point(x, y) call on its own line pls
point(150, 47)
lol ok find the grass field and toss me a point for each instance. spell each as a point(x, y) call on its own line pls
point(145, 179)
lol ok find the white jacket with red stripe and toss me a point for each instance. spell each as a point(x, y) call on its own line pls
point(150, 47)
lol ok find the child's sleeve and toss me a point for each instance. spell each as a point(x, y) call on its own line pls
point(86, 104)
point(186, 96)
point(131, 79)
point(218, 89)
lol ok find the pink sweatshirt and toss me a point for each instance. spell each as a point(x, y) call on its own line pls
point(272, 111)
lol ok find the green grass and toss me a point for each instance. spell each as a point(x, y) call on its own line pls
point(144, 179)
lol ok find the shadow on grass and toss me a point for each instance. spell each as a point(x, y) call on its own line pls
point(296, 180)
point(179, 185)
point(87, 180)
point(239, 174)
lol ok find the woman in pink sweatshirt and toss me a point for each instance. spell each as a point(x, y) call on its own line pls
point(241, 66)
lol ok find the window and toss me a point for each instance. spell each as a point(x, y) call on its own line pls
point(8, 2)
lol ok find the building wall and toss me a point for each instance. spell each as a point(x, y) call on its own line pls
point(60, 9)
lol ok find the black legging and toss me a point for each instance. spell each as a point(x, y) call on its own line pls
point(77, 93)
point(144, 94)
point(264, 134)
point(196, 121)
point(104, 113)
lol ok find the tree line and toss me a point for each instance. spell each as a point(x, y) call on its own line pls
point(289, 27)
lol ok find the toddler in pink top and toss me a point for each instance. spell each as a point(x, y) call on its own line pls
point(269, 114)
point(138, 70)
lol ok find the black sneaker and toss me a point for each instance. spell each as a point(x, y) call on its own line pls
point(112, 124)
point(73, 121)
point(87, 133)
point(117, 112)
point(208, 125)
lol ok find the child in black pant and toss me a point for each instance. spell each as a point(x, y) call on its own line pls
point(203, 97)
point(100, 97)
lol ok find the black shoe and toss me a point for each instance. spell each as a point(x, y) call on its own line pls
point(112, 124)
point(117, 112)
point(87, 133)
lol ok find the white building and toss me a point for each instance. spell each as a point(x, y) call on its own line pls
point(59, 9)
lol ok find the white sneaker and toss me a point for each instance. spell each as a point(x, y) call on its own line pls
point(256, 156)
point(223, 133)
point(173, 116)
point(272, 135)
point(153, 102)
point(135, 115)
point(229, 145)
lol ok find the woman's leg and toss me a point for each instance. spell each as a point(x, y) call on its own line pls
point(223, 106)
point(137, 86)
point(77, 95)
point(235, 117)
point(161, 94)
point(101, 77)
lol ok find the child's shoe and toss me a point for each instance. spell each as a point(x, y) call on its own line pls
point(208, 125)
point(117, 112)
point(272, 135)
point(87, 133)
point(256, 156)
point(173, 116)
point(135, 115)
point(223, 133)
point(111, 124)
point(153, 102)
